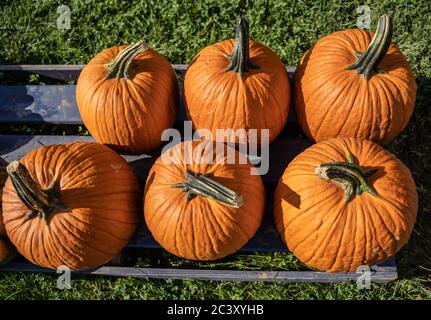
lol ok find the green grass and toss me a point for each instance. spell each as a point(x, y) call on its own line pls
point(179, 29)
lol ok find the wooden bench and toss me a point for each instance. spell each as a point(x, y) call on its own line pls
point(32, 105)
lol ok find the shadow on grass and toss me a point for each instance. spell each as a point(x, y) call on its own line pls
point(413, 147)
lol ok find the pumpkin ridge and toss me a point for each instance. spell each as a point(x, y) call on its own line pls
point(352, 106)
point(173, 200)
point(178, 225)
point(73, 252)
point(69, 185)
point(341, 238)
point(387, 205)
point(309, 209)
point(371, 228)
point(151, 125)
point(396, 98)
point(353, 224)
point(54, 247)
point(333, 103)
point(137, 100)
point(333, 223)
point(211, 231)
point(95, 227)
point(377, 238)
point(209, 225)
point(385, 225)
point(75, 234)
point(389, 96)
point(116, 105)
point(227, 213)
point(271, 95)
point(122, 135)
point(91, 107)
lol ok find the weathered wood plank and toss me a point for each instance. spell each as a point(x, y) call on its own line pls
point(281, 152)
point(67, 73)
point(377, 275)
point(55, 104)
point(14, 147)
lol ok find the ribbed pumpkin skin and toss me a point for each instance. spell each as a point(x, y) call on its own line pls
point(324, 232)
point(333, 102)
point(128, 115)
point(219, 99)
point(7, 252)
point(201, 229)
point(101, 193)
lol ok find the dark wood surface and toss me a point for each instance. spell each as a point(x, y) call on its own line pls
point(282, 151)
point(56, 104)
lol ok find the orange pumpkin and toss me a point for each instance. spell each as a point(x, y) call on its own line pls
point(198, 206)
point(354, 84)
point(237, 84)
point(73, 204)
point(344, 203)
point(7, 251)
point(127, 96)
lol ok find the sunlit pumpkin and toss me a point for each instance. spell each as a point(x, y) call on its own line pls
point(127, 96)
point(357, 84)
point(343, 203)
point(237, 84)
point(198, 206)
point(70, 204)
point(7, 251)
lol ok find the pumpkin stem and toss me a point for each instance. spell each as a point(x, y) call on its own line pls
point(239, 61)
point(41, 203)
point(121, 66)
point(368, 62)
point(349, 174)
point(201, 185)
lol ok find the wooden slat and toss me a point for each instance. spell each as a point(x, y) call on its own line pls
point(282, 151)
point(39, 104)
point(67, 73)
point(55, 104)
point(377, 274)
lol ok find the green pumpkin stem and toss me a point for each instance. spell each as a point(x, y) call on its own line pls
point(201, 185)
point(41, 203)
point(350, 175)
point(239, 61)
point(368, 62)
point(121, 66)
